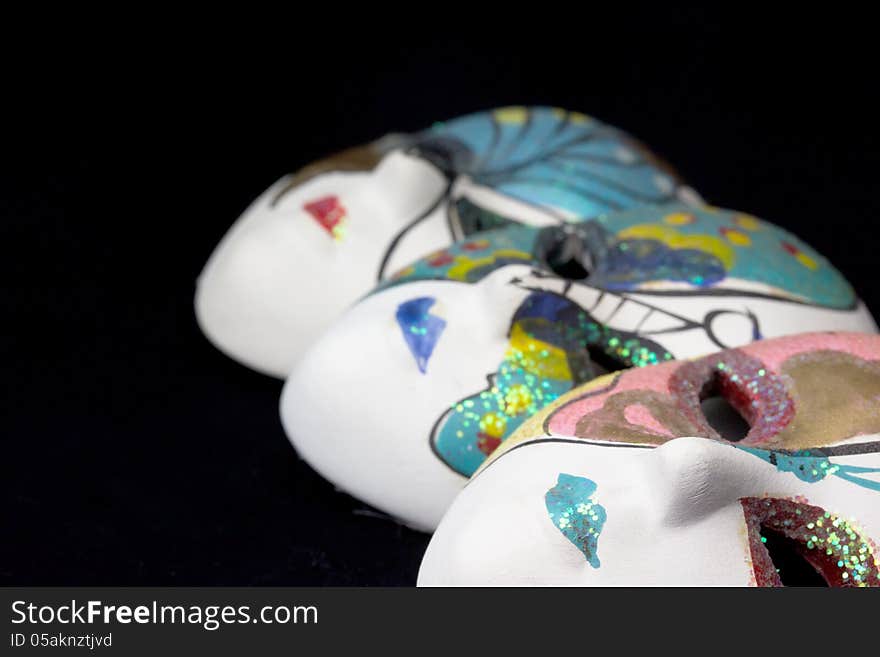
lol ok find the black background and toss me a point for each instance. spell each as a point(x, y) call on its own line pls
point(134, 452)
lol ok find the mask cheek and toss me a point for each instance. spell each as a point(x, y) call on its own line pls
point(400, 354)
point(565, 515)
point(664, 524)
point(279, 277)
point(498, 532)
point(243, 301)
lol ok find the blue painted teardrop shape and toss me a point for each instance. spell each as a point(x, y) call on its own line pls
point(421, 330)
point(576, 514)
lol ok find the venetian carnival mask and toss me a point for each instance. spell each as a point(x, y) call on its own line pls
point(639, 478)
point(413, 387)
point(318, 240)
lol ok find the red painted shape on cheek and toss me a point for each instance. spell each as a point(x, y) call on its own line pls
point(486, 443)
point(440, 259)
point(328, 212)
point(790, 248)
point(476, 245)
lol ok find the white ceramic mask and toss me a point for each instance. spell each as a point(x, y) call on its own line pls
point(409, 391)
point(317, 241)
point(625, 480)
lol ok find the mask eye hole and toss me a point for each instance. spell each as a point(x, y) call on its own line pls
point(720, 413)
point(788, 559)
point(567, 256)
point(604, 363)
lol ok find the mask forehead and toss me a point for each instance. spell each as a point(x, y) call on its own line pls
point(355, 159)
point(715, 248)
point(561, 161)
point(672, 248)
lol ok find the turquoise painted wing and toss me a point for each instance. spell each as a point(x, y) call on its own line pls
point(550, 158)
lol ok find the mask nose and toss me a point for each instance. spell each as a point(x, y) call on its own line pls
point(694, 477)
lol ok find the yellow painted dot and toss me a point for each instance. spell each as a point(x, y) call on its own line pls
point(577, 117)
point(807, 261)
point(676, 240)
point(747, 222)
point(679, 219)
point(517, 400)
point(493, 424)
point(574, 117)
point(736, 237)
point(339, 231)
point(515, 115)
